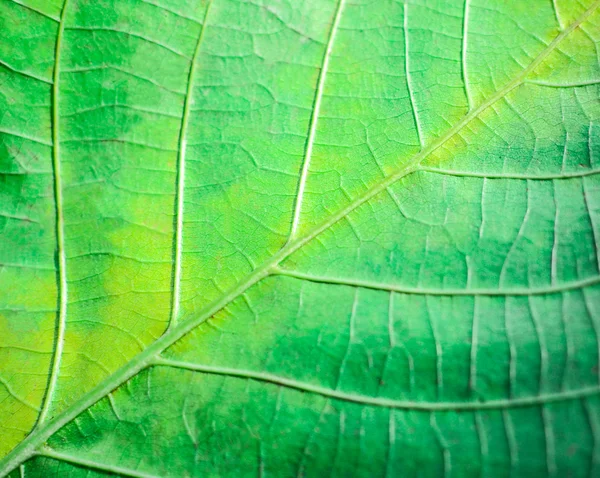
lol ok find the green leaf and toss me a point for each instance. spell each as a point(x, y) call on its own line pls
point(299, 238)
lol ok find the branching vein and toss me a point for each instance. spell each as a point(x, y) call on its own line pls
point(176, 298)
point(463, 53)
point(314, 121)
point(411, 95)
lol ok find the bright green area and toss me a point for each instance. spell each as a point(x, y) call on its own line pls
point(285, 238)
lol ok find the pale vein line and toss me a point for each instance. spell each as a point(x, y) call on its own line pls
point(520, 235)
point(593, 425)
point(27, 447)
point(172, 12)
point(534, 177)
point(314, 121)
point(474, 344)
point(130, 34)
point(543, 348)
point(60, 227)
point(555, 239)
point(176, 298)
point(49, 453)
point(443, 444)
point(19, 399)
point(407, 74)
point(24, 136)
point(512, 352)
point(575, 84)
point(588, 211)
point(551, 289)
point(391, 442)
point(549, 440)
point(557, 15)
point(26, 74)
point(39, 12)
point(439, 351)
point(511, 439)
point(482, 437)
point(380, 401)
point(463, 54)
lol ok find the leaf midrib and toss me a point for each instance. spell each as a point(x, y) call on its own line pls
point(27, 448)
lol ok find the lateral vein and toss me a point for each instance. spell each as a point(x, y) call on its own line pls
point(411, 96)
point(573, 84)
point(543, 290)
point(176, 298)
point(314, 121)
point(463, 53)
point(49, 453)
point(380, 401)
point(60, 227)
point(524, 176)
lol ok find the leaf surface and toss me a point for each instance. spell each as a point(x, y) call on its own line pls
point(299, 238)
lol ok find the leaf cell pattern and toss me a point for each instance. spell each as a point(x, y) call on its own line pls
point(284, 238)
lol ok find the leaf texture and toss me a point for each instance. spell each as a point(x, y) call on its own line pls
point(328, 237)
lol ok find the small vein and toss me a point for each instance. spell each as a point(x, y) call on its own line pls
point(19, 399)
point(87, 69)
point(482, 438)
point(443, 444)
point(60, 228)
point(557, 14)
point(511, 439)
point(509, 291)
point(30, 8)
point(439, 351)
point(314, 121)
point(512, 352)
point(543, 348)
point(26, 74)
point(49, 453)
point(113, 405)
point(495, 404)
point(549, 440)
point(590, 412)
point(391, 442)
point(179, 212)
point(134, 108)
point(535, 177)
point(463, 53)
point(596, 243)
point(474, 345)
point(130, 34)
point(168, 10)
point(27, 137)
point(408, 78)
point(574, 84)
point(555, 239)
